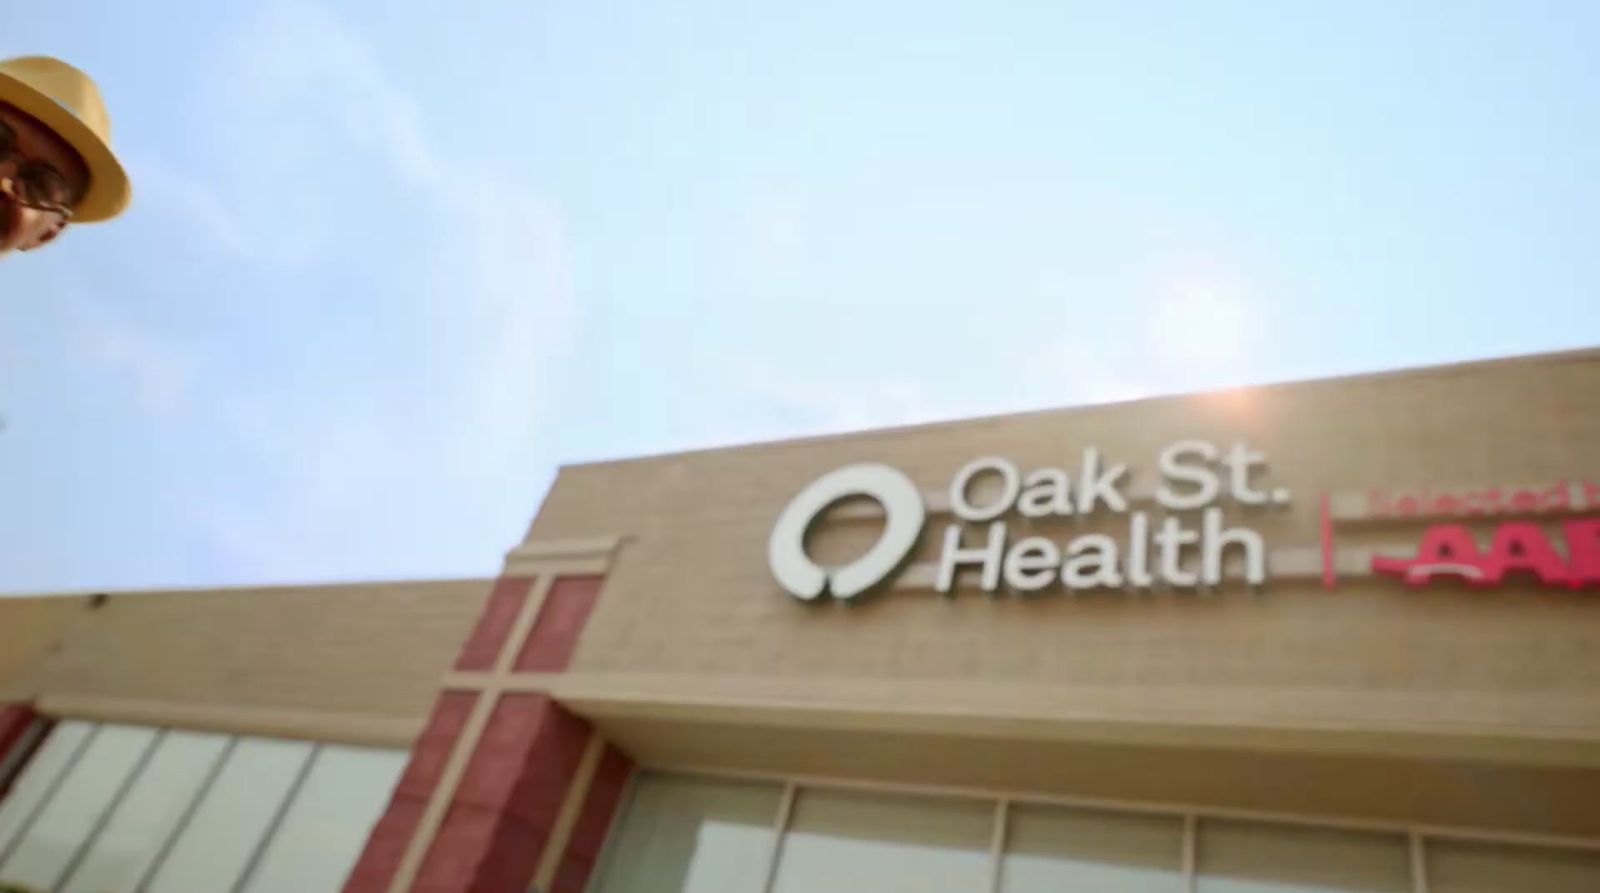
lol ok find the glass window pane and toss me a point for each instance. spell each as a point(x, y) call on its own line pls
point(225, 830)
point(63, 827)
point(692, 835)
point(1246, 857)
point(1484, 868)
point(22, 747)
point(325, 827)
point(148, 814)
point(1055, 850)
point(845, 841)
point(34, 785)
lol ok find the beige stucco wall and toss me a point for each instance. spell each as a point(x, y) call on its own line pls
point(1440, 707)
point(690, 620)
point(29, 629)
point(355, 661)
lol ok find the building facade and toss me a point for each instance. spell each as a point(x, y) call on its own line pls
point(1332, 635)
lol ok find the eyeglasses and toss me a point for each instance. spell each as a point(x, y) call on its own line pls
point(34, 184)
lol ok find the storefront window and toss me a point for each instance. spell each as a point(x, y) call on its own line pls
point(689, 835)
point(1249, 857)
point(324, 829)
point(1483, 868)
point(218, 842)
point(1050, 850)
point(118, 809)
point(47, 849)
point(34, 787)
point(132, 837)
point(682, 834)
point(840, 841)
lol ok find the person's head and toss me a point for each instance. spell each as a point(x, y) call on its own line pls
point(41, 178)
point(56, 164)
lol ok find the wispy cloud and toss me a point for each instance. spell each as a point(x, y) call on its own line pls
point(780, 402)
point(1192, 329)
point(198, 207)
point(308, 134)
point(1202, 320)
point(159, 373)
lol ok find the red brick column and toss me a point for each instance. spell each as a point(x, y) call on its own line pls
point(504, 786)
point(387, 844)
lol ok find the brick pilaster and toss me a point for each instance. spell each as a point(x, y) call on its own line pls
point(504, 785)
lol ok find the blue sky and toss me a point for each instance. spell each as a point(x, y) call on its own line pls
point(390, 263)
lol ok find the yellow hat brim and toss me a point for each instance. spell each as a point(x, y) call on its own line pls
point(109, 189)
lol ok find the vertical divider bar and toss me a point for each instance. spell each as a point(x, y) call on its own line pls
point(189, 810)
point(997, 842)
point(104, 818)
point(1191, 848)
point(780, 827)
point(573, 800)
point(438, 807)
point(49, 793)
point(608, 843)
point(271, 831)
point(516, 637)
point(1419, 865)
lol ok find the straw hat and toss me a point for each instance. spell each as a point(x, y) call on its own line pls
point(65, 100)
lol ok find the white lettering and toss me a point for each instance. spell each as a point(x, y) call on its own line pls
point(1171, 538)
point(1215, 539)
point(1205, 481)
point(1091, 562)
point(1240, 460)
point(1139, 551)
point(988, 556)
point(1094, 485)
point(1031, 564)
point(1046, 494)
point(1010, 482)
point(1161, 550)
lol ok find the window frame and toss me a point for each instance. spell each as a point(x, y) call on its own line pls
point(46, 788)
point(1415, 837)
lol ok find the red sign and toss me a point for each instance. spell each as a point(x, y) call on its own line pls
point(1561, 496)
point(1448, 551)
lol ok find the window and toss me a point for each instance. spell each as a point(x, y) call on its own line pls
point(215, 847)
point(868, 841)
point(118, 809)
point(687, 835)
point(38, 781)
point(127, 847)
point(47, 849)
point(125, 809)
point(1485, 868)
point(1250, 857)
point(1051, 849)
point(324, 829)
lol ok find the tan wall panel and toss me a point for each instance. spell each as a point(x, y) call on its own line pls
point(29, 628)
point(373, 650)
point(691, 596)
